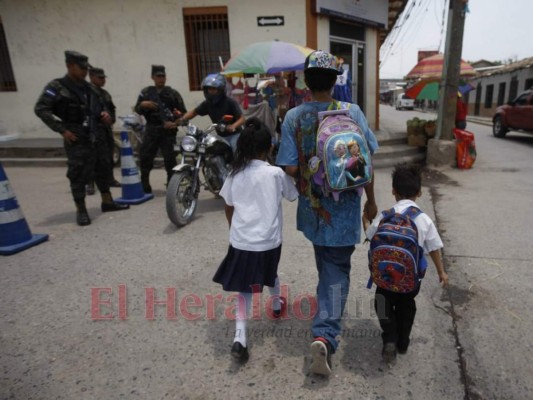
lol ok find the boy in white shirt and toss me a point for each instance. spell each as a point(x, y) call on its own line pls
point(400, 308)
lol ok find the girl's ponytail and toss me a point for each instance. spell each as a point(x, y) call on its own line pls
point(254, 141)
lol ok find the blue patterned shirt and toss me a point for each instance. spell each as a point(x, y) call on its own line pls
point(324, 221)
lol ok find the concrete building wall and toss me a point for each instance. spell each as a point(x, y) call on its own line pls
point(522, 76)
point(125, 37)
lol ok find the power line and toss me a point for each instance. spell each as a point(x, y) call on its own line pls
point(391, 38)
point(405, 28)
point(409, 22)
point(442, 24)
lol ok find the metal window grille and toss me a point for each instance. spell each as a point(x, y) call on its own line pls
point(501, 93)
point(7, 79)
point(513, 89)
point(488, 96)
point(207, 40)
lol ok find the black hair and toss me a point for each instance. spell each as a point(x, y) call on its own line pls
point(407, 180)
point(254, 141)
point(319, 80)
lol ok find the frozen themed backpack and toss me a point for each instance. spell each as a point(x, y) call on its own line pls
point(395, 259)
point(342, 160)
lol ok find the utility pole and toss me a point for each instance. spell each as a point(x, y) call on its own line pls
point(451, 69)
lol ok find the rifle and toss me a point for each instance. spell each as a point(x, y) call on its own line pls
point(164, 112)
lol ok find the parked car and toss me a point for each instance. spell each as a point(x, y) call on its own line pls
point(515, 115)
point(404, 102)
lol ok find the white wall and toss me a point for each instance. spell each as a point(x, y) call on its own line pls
point(122, 36)
point(125, 37)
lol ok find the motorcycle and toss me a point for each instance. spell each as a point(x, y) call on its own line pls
point(204, 160)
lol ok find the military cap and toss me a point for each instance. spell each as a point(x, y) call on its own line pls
point(99, 72)
point(158, 70)
point(76, 58)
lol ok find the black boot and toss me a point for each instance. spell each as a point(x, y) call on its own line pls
point(145, 181)
point(82, 216)
point(109, 205)
point(106, 207)
point(115, 183)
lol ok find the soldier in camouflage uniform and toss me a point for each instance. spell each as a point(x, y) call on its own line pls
point(72, 108)
point(104, 136)
point(160, 105)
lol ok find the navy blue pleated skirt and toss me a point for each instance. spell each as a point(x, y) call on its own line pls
point(248, 271)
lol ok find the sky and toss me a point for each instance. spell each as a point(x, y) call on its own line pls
point(495, 30)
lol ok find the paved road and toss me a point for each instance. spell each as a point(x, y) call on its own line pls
point(52, 347)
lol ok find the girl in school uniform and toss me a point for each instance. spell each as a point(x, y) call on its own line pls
point(253, 192)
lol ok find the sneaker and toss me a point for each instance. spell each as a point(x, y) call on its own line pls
point(389, 352)
point(115, 183)
point(321, 357)
point(239, 352)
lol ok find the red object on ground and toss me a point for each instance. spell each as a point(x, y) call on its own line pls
point(466, 148)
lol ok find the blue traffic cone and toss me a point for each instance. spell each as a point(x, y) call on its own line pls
point(132, 190)
point(15, 234)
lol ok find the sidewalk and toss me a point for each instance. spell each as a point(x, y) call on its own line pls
point(470, 118)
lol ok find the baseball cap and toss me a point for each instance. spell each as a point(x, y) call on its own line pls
point(323, 60)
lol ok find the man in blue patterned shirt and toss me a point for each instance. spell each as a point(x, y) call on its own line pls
point(332, 226)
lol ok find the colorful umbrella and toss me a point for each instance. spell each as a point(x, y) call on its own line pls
point(268, 58)
point(431, 67)
point(428, 90)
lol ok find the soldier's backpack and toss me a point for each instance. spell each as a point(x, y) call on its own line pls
point(396, 260)
point(343, 160)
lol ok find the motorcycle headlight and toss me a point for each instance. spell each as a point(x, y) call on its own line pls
point(188, 143)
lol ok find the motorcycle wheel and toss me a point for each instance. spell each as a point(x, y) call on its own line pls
point(181, 200)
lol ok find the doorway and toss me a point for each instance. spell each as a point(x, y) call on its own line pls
point(352, 52)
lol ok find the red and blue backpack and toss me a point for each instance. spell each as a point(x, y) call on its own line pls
point(396, 260)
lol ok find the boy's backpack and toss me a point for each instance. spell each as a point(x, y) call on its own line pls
point(396, 260)
point(334, 167)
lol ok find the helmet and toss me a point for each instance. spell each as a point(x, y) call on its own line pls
point(216, 81)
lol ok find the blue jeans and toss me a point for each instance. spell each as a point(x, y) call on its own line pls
point(333, 265)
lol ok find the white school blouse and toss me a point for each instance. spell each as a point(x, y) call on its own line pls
point(256, 193)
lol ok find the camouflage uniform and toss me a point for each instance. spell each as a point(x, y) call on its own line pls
point(104, 136)
point(72, 107)
point(67, 105)
point(156, 136)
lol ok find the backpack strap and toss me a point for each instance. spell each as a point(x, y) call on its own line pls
point(386, 214)
point(412, 212)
